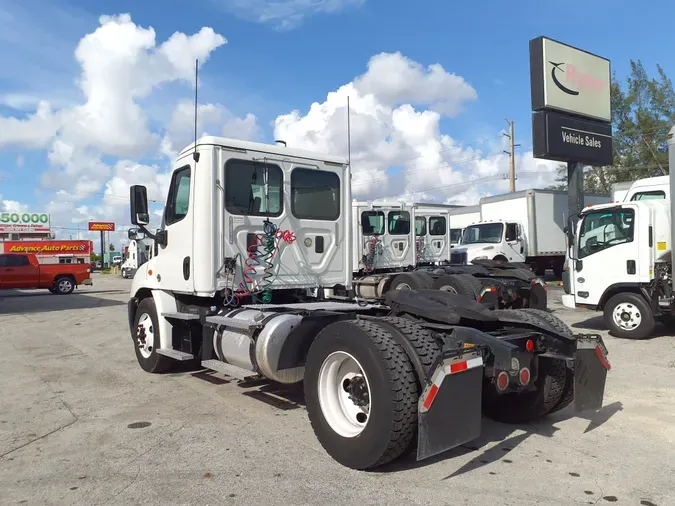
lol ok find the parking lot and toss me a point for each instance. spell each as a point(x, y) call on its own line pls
point(81, 423)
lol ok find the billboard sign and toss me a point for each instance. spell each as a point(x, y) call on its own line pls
point(24, 222)
point(566, 138)
point(49, 247)
point(102, 226)
point(567, 79)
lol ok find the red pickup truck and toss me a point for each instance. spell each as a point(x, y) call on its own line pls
point(24, 271)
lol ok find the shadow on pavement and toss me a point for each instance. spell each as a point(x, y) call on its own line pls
point(506, 439)
point(597, 323)
point(16, 302)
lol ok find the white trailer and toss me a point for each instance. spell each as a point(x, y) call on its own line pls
point(620, 190)
point(461, 218)
point(525, 226)
point(255, 236)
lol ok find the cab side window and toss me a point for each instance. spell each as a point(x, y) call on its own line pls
point(420, 226)
point(511, 231)
point(245, 191)
point(179, 196)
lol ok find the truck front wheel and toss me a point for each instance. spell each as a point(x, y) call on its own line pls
point(628, 315)
point(361, 394)
point(146, 338)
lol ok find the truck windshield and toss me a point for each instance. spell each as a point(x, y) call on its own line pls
point(485, 232)
point(603, 229)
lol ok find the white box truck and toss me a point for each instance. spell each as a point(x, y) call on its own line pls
point(525, 226)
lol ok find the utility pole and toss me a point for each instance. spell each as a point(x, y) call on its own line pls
point(512, 157)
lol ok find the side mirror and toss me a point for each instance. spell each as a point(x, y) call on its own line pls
point(135, 233)
point(139, 205)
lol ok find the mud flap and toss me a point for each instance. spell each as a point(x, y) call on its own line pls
point(449, 410)
point(590, 372)
point(489, 296)
point(538, 297)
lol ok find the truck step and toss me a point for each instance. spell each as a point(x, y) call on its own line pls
point(181, 316)
point(229, 369)
point(233, 323)
point(175, 354)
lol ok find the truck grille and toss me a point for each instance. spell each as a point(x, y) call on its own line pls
point(458, 257)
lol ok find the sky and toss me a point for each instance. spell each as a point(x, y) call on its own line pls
point(97, 96)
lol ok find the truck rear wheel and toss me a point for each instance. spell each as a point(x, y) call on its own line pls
point(628, 315)
point(529, 405)
point(146, 338)
point(461, 284)
point(410, 281)
point(361, 394)
point(64, 285)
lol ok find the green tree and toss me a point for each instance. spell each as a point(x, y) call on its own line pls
point(643, 111)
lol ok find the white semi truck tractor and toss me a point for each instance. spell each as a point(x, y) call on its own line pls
point(622, 261)
point(253, 241)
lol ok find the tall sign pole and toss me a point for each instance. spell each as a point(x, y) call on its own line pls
point(102, 250)
point(671, 173)
point(571, 120)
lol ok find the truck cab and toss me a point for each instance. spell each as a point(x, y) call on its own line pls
point(621, 265)
point(493, 240)
point(649, 188)
point(432, 234)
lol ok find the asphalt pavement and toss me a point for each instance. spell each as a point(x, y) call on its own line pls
point(81, 423)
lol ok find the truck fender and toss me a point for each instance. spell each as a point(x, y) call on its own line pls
point(612, 290)
point(405, 344)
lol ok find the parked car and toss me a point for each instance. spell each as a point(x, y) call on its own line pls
point(24, 271)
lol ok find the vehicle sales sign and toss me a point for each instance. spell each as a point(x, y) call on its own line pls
point(24, 222)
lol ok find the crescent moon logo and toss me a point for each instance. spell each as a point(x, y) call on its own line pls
point(561, 86)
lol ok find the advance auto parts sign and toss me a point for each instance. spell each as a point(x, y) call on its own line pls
point(568, 79)
point(48, 247)
point(24, 222)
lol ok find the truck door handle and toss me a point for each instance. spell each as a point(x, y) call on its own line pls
point(630, 266)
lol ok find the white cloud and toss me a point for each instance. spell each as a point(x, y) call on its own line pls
point(398, 150)
point(212, 119)
point(285, 14)
point(395, 79)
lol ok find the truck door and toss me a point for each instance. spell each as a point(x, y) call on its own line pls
point(514, 247)
point(398, 242)
point(439, 239)
point(177, 271)
point(607, 253)
point(423, 255)
point(18, 272)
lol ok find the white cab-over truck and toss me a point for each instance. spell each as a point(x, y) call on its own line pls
point(461, 218)
point(525, 226)
point(137, 255)
point(253, 240)
point(390, 254)
point(622, 262)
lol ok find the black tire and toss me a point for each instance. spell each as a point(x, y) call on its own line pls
point(552, 320)
point(154, 363)
point(528, 405)
point(64, 285)
point(408, 281)
point(638, 306)
point(392, 381)
point(425, 278)
point(568, 390)
point(461, 284)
